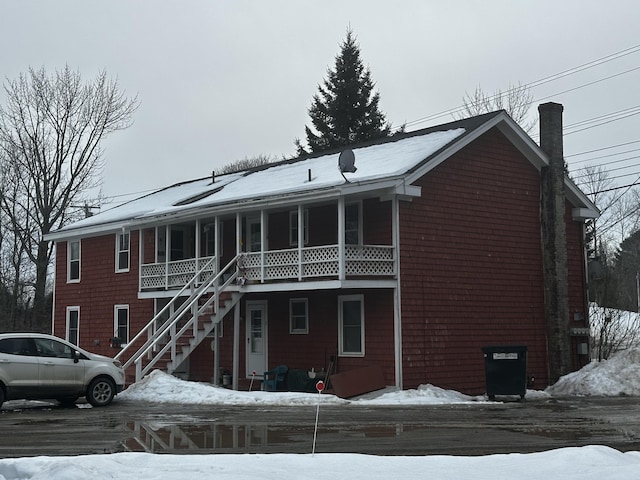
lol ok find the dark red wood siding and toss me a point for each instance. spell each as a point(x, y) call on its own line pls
point(98, 291)
point(317, 348)
point(471, 266)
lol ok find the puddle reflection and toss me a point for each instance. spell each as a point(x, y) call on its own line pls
point(228, 438)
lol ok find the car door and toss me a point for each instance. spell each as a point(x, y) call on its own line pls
point(19, 367)
point(59, 373)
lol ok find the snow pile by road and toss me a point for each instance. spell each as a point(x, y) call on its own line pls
point(619, 375)
point(584, 463)
point(159, 387)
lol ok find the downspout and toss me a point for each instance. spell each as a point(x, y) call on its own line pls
point(554, 243)
point(397, 305)
point(216, 329)
point(53, 309)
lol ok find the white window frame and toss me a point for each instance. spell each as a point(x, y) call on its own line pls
point(299, 331)
point(293, 227)
point(341, 300)
point(120, 249)
point(70, 260)
point(116, 310)
point(75, 309)
point(358, 206)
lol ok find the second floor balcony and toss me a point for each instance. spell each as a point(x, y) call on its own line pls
point(287, 265)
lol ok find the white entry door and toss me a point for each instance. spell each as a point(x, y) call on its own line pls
point(256, 338)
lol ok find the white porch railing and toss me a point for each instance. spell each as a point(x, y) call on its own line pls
point(175, 274)
point(291, 264)
point(318, 262)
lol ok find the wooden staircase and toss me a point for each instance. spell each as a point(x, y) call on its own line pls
point(169, 338)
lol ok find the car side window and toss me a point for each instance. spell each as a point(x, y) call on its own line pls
point(52, 348)
point(17, 346)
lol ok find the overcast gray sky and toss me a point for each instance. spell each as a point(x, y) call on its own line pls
point(222, 80)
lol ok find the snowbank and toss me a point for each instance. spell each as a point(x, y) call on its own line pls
point(619, 375)
point(585, 463)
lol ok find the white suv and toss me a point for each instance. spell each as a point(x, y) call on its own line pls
point(35, 366)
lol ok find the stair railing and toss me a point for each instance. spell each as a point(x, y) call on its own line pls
point(155, 334)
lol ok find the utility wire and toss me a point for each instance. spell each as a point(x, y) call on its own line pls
point(542, 81)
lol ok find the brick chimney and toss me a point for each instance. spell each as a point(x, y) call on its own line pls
point(554, 242)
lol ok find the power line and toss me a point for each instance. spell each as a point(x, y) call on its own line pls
point(544, 80)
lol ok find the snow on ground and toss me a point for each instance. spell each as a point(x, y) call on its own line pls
point(585, 463)
point(619, 375)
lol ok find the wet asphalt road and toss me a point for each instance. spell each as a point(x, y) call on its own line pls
point(477, 429)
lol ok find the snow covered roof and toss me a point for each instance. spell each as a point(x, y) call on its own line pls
point(387, 164)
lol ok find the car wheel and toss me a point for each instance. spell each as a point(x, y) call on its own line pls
point(101, 391)
point(67, 401)
point(1, 395)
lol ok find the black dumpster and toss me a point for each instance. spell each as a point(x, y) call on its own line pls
point(505, 370)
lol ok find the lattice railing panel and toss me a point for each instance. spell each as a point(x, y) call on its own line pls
point(365, 260)
point(154, 275)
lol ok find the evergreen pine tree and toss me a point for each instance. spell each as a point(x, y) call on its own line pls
point(345, 110)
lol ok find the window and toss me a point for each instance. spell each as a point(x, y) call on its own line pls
point(121, 323)
point(73, 261)
point(122, 252)
point(73, 324)
point(298, 315)
point(352, 224)
point(18, 346)
point(293, 227)
point(208, 238)
point(351, 326)
point(254, 229)
point(47, 347)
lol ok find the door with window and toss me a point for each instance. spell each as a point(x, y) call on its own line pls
point(256, 329)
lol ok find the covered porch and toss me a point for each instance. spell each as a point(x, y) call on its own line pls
point(339, 240)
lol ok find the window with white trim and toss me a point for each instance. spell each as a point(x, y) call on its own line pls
point(351, 326)
point(353, 223)
point(121, 323)
point(293, 227)
point(73, 261)
point(298, 315)
point(123, 250)
point(73, 325)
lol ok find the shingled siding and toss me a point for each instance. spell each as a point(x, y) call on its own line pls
point(318, 347)
point(471, 267)
point(98, 291)
point(577, 274)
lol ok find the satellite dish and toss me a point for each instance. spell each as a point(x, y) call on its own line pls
point(346, 161)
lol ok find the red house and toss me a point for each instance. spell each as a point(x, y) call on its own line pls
point(408, 254)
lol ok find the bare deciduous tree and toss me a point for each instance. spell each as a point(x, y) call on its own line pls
point(613, 330)
point(51, 131)
point(246, 163)
point(516, 101)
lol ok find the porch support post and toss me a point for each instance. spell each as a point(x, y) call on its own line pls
point(140, 256)
point(216, 245)
point(238, 233)
point(236, 344)
point(263, 243)
point(397, 305)
point(341, 249)
point(216, 354)
point(300, 239)
point(197, 247)
point(167, 254)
